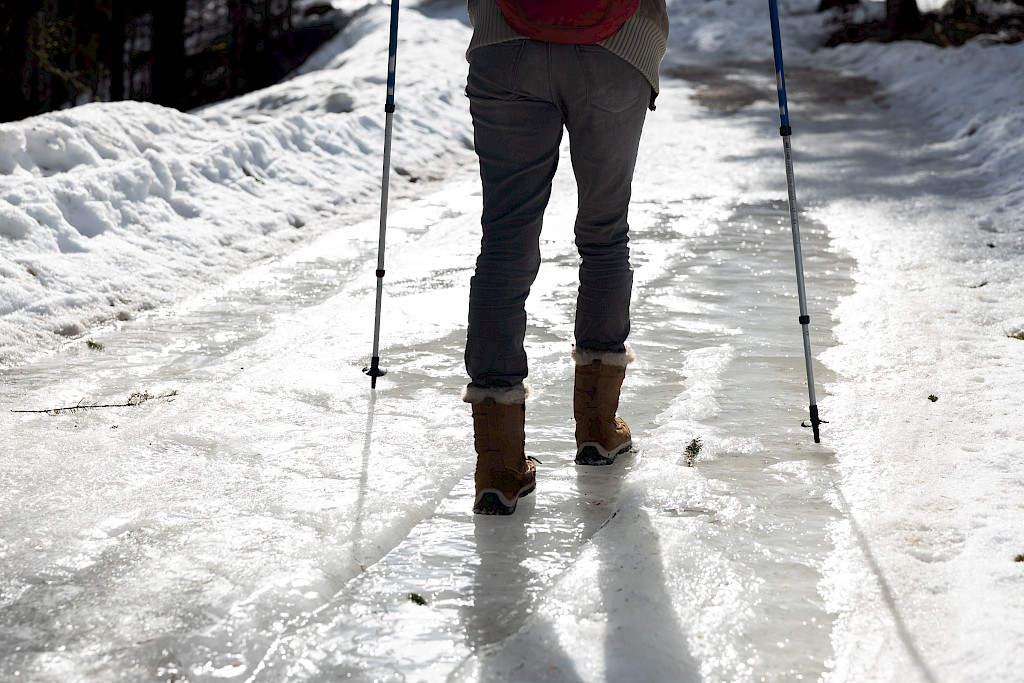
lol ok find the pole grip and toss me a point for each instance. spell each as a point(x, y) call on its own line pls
point(780, 71)
point(392, 53)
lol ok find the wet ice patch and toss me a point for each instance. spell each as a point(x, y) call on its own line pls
point(702, 371)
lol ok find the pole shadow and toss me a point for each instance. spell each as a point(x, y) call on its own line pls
point(888, 597)
point(364, 476)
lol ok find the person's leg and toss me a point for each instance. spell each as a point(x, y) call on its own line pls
point(517, 133)
point(605, 121)
point(605, 118)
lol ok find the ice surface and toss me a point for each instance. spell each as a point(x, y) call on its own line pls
point(273, 518)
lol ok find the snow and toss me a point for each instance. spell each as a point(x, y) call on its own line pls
point(114, 209)
point(270, 521)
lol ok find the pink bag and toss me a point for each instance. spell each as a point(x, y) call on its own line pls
point(567, 21)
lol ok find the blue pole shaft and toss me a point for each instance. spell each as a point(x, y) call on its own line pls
point(786, 131)
point(374, 371)
point(780, 76)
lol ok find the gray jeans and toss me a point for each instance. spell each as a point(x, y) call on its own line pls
point(522, 94)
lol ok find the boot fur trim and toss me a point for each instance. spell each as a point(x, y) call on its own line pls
point(504, 395)
point(583, 357)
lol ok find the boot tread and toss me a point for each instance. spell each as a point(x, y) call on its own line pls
point(593, 453)
point(492, 501)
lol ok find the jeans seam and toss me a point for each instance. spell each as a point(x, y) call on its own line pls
point(514, 80)
point(586, 75)
point(550, 75)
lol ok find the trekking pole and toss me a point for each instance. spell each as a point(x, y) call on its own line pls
point(374, 370)
point(786, 131)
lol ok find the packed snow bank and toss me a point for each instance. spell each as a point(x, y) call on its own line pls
point(960, 96)
point(925, 408)
point(110, 209)
point(925, 422)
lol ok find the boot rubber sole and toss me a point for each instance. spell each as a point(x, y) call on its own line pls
point(494, 502)
point(592, 453)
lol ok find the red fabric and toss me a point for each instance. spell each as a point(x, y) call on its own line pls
point(567, 21)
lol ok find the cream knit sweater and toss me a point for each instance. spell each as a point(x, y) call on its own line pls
point(641, 41)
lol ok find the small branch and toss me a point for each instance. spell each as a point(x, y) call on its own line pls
point(136, 399)
point(692, 451)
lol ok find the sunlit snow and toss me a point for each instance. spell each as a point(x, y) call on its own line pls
point(265, 516)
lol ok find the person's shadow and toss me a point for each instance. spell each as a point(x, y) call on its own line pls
point(637, 635)
point(643, 633)
point(500, 601)
point(501, 606)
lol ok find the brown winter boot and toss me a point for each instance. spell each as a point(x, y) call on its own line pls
point(503, 472)
point(600, 435)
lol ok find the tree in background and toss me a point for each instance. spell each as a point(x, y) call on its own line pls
point(903, 16)
point(168, 71)
point(180, 53)
point(59, 53)
point(955, 23)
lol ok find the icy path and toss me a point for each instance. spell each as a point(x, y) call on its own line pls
point(273, 520)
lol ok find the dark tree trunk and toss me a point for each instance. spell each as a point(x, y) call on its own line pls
point(168, 51)
point(14, 20)
point(259, 32)
point(903, 16)
point(55, 53)
point(113, 47)
point(238, 46)
point(827, 5)
point(43, 40)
